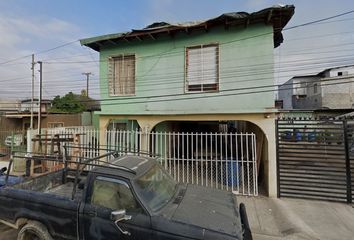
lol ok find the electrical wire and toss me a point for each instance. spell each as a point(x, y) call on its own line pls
point(259, 35)
point(237, 40)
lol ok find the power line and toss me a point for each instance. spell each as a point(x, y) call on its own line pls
point(291, 27)
point(259, 35)
point(213, 94)
point(240, 68)
point(225, 76)
point(37, 53)
point(75, 41)
point(319, 20)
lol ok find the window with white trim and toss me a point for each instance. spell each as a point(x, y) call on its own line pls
point(202, 68)
point(122, 75)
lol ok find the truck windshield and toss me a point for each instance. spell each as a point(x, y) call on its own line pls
point(155, 187)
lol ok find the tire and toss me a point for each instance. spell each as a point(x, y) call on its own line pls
point(34, 231)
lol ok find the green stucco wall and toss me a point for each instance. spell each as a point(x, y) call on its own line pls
point(246, 61)
point(96, 120)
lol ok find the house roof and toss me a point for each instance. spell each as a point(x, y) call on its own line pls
point(322, 72)
point(329, 69)
point(278, 16)
point(305, 76)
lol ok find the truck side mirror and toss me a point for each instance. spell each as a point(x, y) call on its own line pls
point(118, 216)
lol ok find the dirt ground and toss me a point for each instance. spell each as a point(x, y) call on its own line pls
point(7, 233)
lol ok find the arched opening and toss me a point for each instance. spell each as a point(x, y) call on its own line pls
point(230, 155)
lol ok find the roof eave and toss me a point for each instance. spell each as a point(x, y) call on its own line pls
point(277, 16)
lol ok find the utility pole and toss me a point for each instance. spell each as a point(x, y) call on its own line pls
point(32, 98)
point(87, 82)
point(40, 100)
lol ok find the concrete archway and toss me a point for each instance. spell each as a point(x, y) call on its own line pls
point(262, 146)
point(261, 123)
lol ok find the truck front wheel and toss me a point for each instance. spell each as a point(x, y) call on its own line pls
point(34, 231)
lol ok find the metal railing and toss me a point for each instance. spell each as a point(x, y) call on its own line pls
point(218, 160)
point(11, 140)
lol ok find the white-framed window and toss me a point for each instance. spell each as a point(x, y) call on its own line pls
point(122, 75)
point(202, 68)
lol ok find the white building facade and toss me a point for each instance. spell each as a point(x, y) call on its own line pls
point(332, 88)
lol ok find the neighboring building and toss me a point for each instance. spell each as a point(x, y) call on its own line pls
point(8, 106)
point(293, 93)
point(19, 117)
point(49, 120)
point(332, 88)
point(26, 105)
point(192, 77)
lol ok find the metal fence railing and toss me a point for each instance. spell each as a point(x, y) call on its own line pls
point(12, 140)
point(217, 160)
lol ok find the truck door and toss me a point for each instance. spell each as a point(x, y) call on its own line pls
point(111, 211)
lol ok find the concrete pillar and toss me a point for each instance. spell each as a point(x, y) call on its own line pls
point(30, 134)
point(146, 127)
point(268, 127)
point(104, 121)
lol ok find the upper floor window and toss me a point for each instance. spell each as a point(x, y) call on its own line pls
point(122, 75)
point(202, 68)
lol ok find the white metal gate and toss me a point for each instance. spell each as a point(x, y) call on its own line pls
point(218, 160)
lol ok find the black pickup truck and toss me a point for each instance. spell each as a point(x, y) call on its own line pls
point(132, 197)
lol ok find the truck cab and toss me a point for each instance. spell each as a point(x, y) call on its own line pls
point(144, 202)
point(131, 197)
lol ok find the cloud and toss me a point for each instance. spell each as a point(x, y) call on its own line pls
point(21, 36)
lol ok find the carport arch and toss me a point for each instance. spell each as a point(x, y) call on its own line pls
point(250, 127)
point(264, 121)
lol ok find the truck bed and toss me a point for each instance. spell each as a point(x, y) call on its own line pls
point(52, 183)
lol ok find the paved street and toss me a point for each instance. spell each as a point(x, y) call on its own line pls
point(289, 219)
point(296, 219)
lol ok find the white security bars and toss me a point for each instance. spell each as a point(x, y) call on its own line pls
point(217, 160)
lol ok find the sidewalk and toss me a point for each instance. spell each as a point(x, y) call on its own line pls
point(275, 219)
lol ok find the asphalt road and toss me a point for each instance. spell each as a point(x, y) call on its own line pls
point(7, 233)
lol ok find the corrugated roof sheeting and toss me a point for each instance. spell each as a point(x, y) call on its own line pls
point(278, 16)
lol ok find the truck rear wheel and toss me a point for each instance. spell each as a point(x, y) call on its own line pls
point(34, 231)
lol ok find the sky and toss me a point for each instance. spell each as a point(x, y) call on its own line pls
point(50, 30)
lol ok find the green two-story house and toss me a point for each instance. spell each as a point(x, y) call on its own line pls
point(193, 76)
